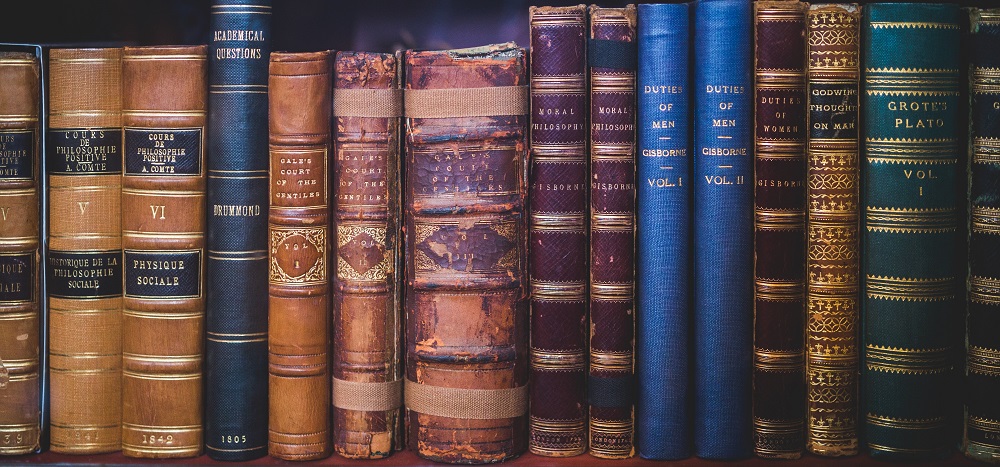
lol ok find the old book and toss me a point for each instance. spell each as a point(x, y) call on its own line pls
point(84, 264)
point(299, 102)
point(982, 417)
point(779, 228)
point(558, 231)
point(663, 232)
point(367, 364)
point(236, 242)
point(910, 245)
point(163, 238)
point(832, 302)
point(722, 233)
point(612, 61)
point(20, 98)
point(466, 293)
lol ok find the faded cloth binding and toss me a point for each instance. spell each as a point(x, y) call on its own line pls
point(466, 102)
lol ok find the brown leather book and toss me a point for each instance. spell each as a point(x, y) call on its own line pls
point(779, 229)
point(20, 416)
point(299, 88)
point(84, 264)
point(163, 238)
point(367, 361)
point(466, 293)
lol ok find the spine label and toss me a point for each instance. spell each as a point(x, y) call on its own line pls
point(167, 151)
point(84, 151)
point(17, 148)
point(16, 273)
point(163, 274)
point(85, 274)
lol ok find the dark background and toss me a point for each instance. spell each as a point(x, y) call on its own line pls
point(298, 25)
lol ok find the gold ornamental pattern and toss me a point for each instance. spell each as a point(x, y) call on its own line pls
point(313, 237)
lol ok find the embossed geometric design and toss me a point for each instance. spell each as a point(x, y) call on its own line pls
point(361, 253)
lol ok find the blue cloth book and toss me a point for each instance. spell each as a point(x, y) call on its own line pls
point(723, 228)
point(236, 270)
point(663, 232)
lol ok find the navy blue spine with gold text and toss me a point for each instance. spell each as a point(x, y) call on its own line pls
point(663, 233)
point(723, 228)
point(236, 325)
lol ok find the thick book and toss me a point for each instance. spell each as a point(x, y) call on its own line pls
point(910, 245)
point(779, 228)
point(299, 103)
point(20, 329)
point(84, 264)
point(833, 43)
point(722, 238)
point(236, 240)
point(612, 59)
point(663, 232)
point(982, 414)
point(558, 231)
point(466, 280)
point(163, 241)
point(367, 364)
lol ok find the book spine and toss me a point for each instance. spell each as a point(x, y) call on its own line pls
point(910, 189)
point(466, 296)
point(84, 264)
point(663, 223)
point(367, 364)
point(20, 419)
point(236, 242)
point(612, 60)
point(982, 418)
point(163, 238)
point(558, 422)
point(299, 101)
point(779, 228)
point(723, 228)
point(832, 259)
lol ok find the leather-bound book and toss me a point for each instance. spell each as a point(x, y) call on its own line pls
point(466, 291)
point(299, 90)
point(236, 242)
point(663, 232)
point(722, 222)
point(779, 228)
point(84, 264)
point(913, 138)
point(558, 238)
point(982, 418)
point(20, 96)
point(612, 60)
point(367, 364)
point(163, 237)
point(832, 259)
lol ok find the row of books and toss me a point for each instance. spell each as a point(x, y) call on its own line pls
point(354, 240)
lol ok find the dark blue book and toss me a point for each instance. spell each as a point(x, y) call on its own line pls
point(663, 232)
point(723, 228)
point(236, 270)
point(911, 184)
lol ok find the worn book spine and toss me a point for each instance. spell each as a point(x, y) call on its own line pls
point(663, 226)
point(236, 242)
point(84, 265)
point(982, 417)
point(299, 102)
point(20, 133)
point(466, 292)
point(558, 231)
point(163, 237)
point(779, 228)
point(612, 60)
point(910, 184)
point(722, 228)
point(832, 302)
point(367, 365)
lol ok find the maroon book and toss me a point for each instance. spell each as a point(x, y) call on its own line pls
point(558, 238)
point(779, 229)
